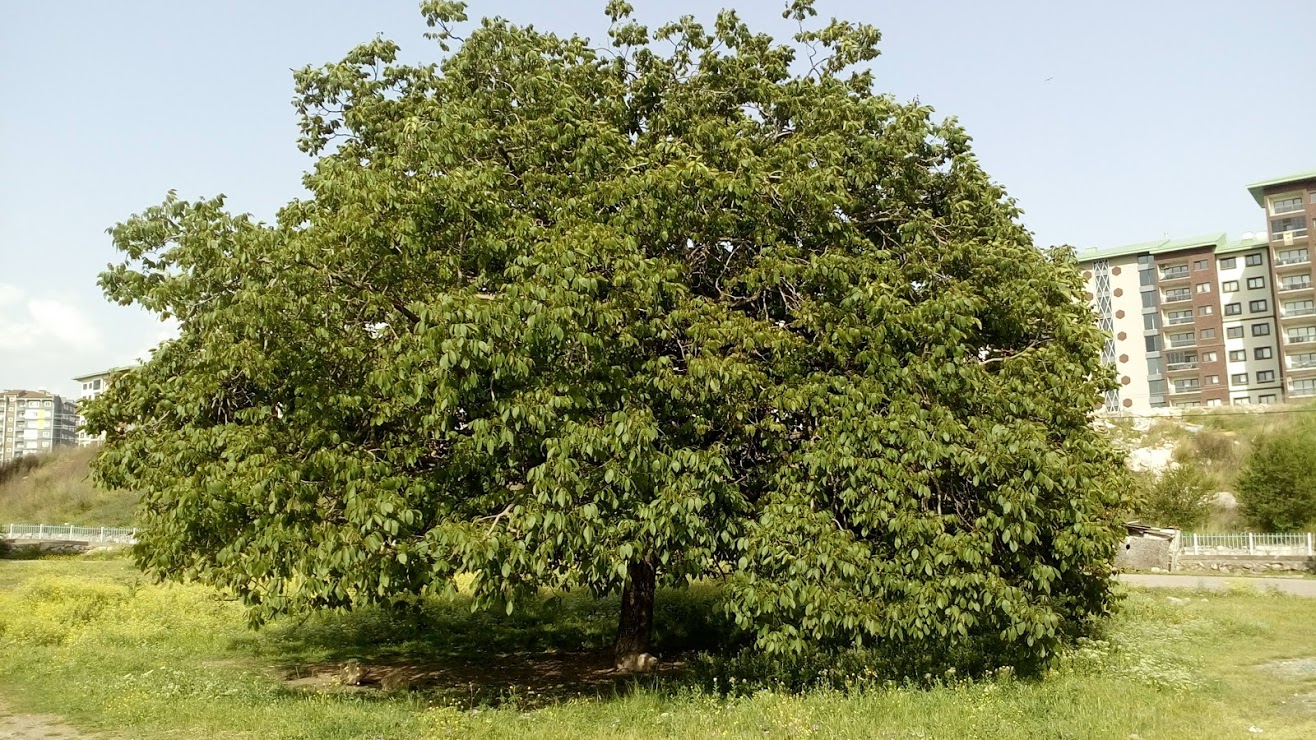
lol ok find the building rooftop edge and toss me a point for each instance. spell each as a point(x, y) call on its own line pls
point(1257, 188)
point(89, 376)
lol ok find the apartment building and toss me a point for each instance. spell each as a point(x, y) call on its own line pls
point(93, 385)
point(35, 421)
point(1210, 321)
point(1290, 207)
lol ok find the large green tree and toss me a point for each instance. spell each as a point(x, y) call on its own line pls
point(603, 318)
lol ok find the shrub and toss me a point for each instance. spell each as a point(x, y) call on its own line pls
point(1180, 497)
point(1277, 489)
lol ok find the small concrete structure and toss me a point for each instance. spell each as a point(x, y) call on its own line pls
point(1147, 548)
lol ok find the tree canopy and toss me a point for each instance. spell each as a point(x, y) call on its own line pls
point(697, 303)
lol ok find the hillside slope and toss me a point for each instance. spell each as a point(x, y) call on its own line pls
point(57, 489)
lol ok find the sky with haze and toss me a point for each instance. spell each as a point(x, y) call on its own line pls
point(1109, 122)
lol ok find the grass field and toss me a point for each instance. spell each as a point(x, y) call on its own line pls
point(90, 642)
point(58, 490)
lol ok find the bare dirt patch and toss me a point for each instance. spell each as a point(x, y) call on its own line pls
point(1292, 668)
point(33, 726)
point(530, 677)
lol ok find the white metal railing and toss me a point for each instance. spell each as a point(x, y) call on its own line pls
point(1181, 366)
point(1282, 261)
point(123, 535)
point(1249, 543)
point(1294, 285)
point(1289, 313)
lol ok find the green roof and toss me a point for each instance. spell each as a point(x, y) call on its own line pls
point(1242, 245)
point(1160, 246)
point(111, 371)
point(1257, 188)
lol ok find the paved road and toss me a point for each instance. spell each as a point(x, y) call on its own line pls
point(1295, 586)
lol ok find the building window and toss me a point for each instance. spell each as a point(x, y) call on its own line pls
point(1295, 224)
point(1261, 330)
point(1153, 343)
point(1288, 203)
point(1174, 273)
point(1242, 401)
point(1209, 357)
point(1257, 306)
point(1299, 308)
point(1153, 366)
point(1266, 398)
point(1144, 259)
point(1304, 387)
point(1182, 339)
point(1146, 278)
point(1265, 376)
point(1252, 260)
point(1229, 286)
point(1302, 335)
point(1238, 355)
point(1157, 387)
point(1263, 353)
point(1256, 283)
point(1238, 379)
point(1149, 299)
point(1233, 309)
point(1302, 361)
point(1295, 282)
point(1179, 317)
point(1206, 334)
point(1186, 384)
point(1199, 265)
point(1234, 332)
point(1228, 263)
point(1175, 295)
point(1213, 380)
point(1203, 287)
point(1149, 322)
point(1291, 257)
point(1205, 310)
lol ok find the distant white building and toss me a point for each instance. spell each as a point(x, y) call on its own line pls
point(93, 385)
point(33, 422)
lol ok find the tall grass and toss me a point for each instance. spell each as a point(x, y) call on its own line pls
point(56, 488)
point(87, 641)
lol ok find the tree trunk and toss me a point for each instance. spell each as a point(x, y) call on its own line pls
point(635, 629)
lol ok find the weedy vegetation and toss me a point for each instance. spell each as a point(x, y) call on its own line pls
point(90, 641)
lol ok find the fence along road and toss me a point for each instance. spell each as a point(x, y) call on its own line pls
point(1293, 586)
point(1248, 543)
point(69, 533)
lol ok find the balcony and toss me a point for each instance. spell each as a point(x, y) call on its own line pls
point(1178, 367)
point(1292, 236)
point(1185, 390)
point(1285, 264)
point(1181, 343)
point(1179, 320)
point(1173, 274)
point(1293, 286)
point(1176, 297)
point(1289, 314)
point(1301, 391)
point(1299, 339)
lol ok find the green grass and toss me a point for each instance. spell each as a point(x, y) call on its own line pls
point(89, 641)
point(59, 491)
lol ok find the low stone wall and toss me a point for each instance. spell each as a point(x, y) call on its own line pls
point(29, 548)
point(1246, 563)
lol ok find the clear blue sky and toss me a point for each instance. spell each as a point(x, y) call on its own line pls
point(1110, 122)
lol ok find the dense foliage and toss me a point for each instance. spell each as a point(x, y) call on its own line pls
point(565, 316)
point(1277, 488)
point(1179, 497)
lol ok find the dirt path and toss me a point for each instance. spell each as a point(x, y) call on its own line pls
point(35, 726)
point(1294, 586)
